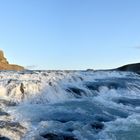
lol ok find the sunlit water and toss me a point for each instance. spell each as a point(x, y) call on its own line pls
point(69, 105)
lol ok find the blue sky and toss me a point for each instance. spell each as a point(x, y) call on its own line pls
point(70, 34)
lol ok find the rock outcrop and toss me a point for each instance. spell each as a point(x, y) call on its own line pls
point(4, 64)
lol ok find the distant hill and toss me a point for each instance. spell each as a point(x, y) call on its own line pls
point(4, 64)
point(130, 67)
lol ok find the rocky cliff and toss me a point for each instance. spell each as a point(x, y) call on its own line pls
point(4, 64)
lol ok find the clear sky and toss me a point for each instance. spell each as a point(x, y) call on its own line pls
point(70, 34)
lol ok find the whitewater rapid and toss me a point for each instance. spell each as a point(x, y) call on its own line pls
point(69, 105)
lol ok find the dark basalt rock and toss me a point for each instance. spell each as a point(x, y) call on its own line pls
point(4, 138)
point(93, 86)
point(50, 84)
point(97, 125)
point(3, 113)
point(22, 88)
point(51, 136)
point(77, 92)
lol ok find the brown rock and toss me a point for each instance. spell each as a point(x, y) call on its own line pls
point(4, 64)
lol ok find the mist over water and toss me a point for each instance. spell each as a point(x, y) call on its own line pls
point(70, 105)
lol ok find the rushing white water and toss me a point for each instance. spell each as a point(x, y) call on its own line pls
point(69, 105)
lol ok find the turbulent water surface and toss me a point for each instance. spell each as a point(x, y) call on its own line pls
point(69, 105)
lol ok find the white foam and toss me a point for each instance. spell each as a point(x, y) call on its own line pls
point(43, 96)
